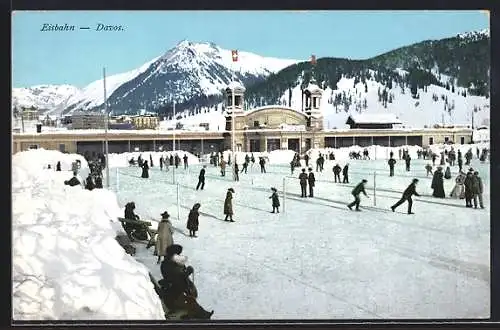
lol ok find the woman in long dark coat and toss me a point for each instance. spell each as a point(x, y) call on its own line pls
point(228, 205)
point(437, 183)
point(469, 192)
point(192, 223)
point(145, 170)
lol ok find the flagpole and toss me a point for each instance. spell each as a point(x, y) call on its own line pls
point(173, 147)
point(106, 128)
point(234, 56)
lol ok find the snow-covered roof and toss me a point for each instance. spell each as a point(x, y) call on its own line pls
point(236, 85)
point(313, 88)
point(272, 107)
point(375, 118)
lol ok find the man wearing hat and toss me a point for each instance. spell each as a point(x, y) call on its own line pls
point(311, 180)
point(303, 183)
point(164, 238)
point(409, 191)
point(228, 205)
point(468, 184)
point(360, 188)
point(437, 184)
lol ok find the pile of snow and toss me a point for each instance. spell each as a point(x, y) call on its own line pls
point(66, 261)
point(121, 160)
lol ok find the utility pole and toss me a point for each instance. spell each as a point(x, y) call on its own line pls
point(173, 147)
point(106, 127)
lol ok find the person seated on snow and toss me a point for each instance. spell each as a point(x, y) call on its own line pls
point(98, 182)
point(134, 230)
point(89, 183)
point(131, 161)
point(73, 181)
point(178, 291)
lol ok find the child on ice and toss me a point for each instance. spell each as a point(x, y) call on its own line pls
point(275, 199)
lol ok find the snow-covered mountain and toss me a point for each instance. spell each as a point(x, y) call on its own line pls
point(52, 98)
point(189, 73)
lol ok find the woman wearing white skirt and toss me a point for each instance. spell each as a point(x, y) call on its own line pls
point(459, 189)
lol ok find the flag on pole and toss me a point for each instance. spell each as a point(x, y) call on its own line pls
point(313, 59)
point(234, 54)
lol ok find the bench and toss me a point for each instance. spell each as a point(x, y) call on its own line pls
point(146, 226)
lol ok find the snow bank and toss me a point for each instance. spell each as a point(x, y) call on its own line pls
point(380, 152)
point(66, 262)
point(121, 160)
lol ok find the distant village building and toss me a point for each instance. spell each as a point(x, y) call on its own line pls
point(48, 120)
point(88, 120)
point(145, 121)
point(372, 121)
point(30, 113)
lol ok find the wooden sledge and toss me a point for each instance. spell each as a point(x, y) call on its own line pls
point(146, 226)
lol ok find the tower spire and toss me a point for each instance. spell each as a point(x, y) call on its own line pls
point(313, 66)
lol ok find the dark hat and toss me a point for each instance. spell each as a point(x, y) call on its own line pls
point(303, 170)
point(173, 249)
point(364, 180)
point(471, 169)
point(273, 189)
point(231, 190)
point(310, 169)
point(196, 206)
point(165, 215)
point(415, 180)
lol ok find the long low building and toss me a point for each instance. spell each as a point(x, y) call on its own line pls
point(256, 130)
point(248, 140)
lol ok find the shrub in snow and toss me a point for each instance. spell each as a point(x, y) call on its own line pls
point(66, 261)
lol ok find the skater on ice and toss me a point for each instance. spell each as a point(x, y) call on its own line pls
point(145, 170)
point(437, 183)
point(185, 159)
point(303, 183)
point(345, 174)
point(201, 178)
point(275, 200)
point(228, 205)
point(193, 222)
point(391, 163)
point(360, 188)
point(58, 167)
point(478, 190)
point(336, 172)
point(164, 236)
point(458, 191)
point(311, 181)
point(447, 173)
point(428, 169)
point(409, 191)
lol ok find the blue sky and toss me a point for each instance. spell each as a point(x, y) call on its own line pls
point(77, 57)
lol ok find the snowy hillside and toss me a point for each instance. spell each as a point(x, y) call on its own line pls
point(435, 105)
point(44, 97)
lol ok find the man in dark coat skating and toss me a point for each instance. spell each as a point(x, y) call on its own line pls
point(311, 180)
point(201, 178)
point(360, 188)
point(409, 191)
point(303, 183)
point(306, 159)
point(145, 170)
point(437, 183)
